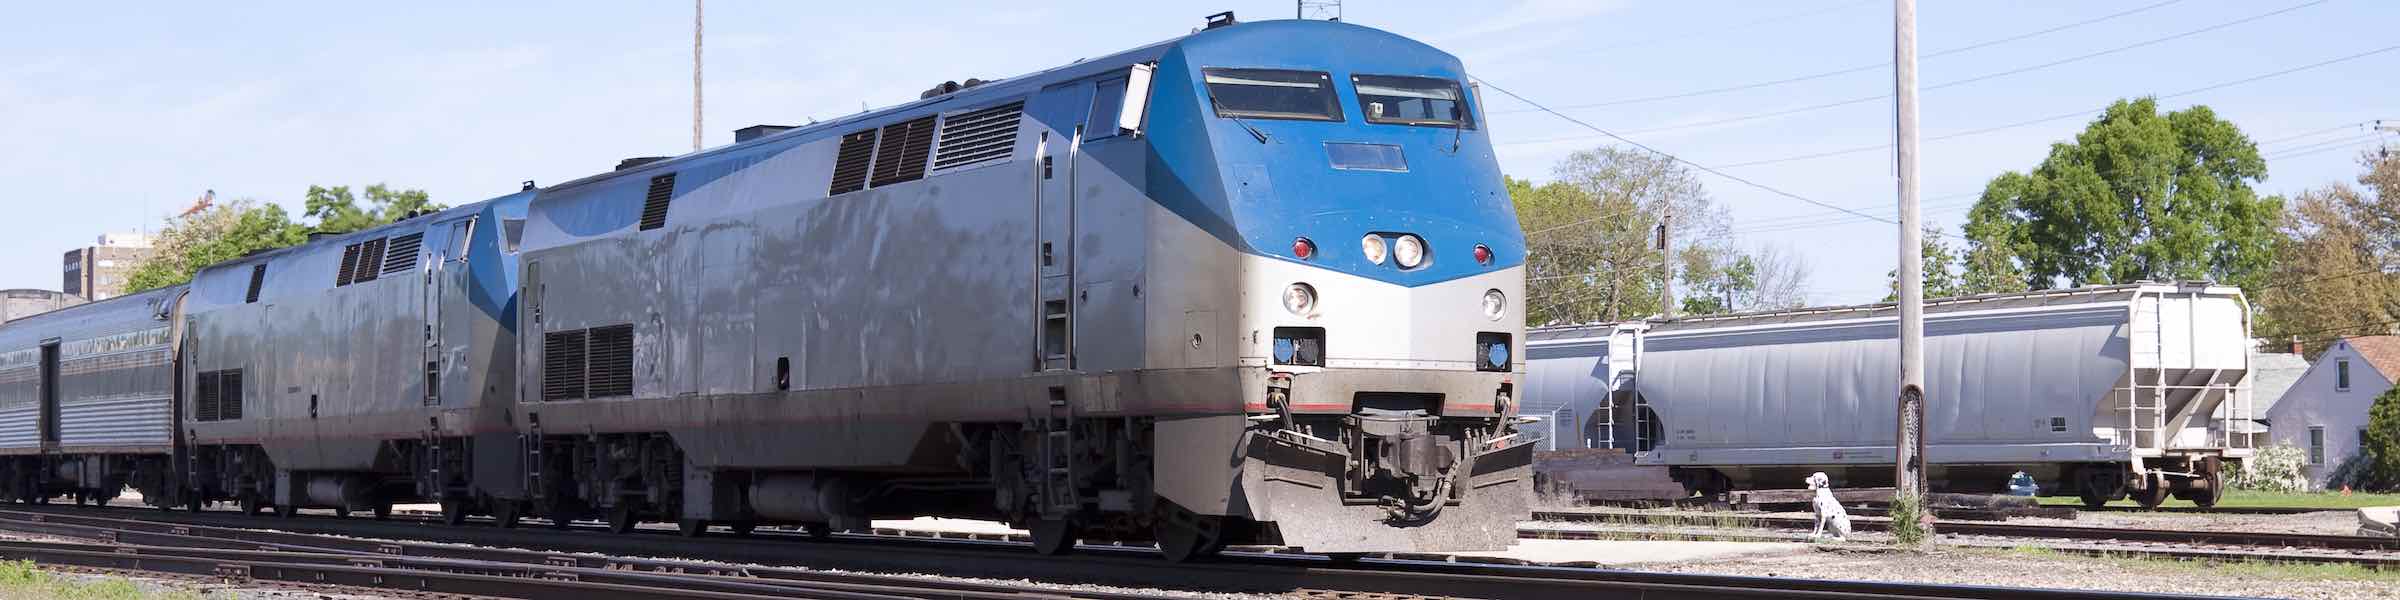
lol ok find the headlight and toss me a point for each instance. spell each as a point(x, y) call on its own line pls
point(1495, 304)
point(1373, 246)
point(1409, 251)
point(1300, 299)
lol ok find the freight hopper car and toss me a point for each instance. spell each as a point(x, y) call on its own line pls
point(357, 370)
point(87, 399)
point(2100, 392)
point(1259, 284)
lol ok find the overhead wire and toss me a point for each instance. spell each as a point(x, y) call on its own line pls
point(1974, 79)
point(2061, 116)
point(1856, 69)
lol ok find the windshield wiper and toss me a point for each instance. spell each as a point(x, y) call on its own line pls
point(1254, 132)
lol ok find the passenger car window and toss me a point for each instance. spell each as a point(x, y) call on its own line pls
point(1272, 94)
point(1412, 101)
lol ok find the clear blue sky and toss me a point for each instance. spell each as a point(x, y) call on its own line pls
point(116, 116)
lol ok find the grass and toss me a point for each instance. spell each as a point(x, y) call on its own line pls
point(2245, 498)
point(20, 580)
point(2246, 569)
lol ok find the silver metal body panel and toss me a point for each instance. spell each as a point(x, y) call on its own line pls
point(115, 375)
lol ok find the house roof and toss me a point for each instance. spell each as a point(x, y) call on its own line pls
point(2381, 351)
point(2272, 374)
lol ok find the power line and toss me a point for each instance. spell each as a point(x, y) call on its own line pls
point(1704, 168)
point(2321, 150)
point(1855, 69)
point(1974, 79)
point(2062, 116)
point(2322, 145)
point(2316, 132)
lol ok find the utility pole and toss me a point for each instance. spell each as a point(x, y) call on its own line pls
point(696, 75)
point(1908, 473)
point(1666, 259)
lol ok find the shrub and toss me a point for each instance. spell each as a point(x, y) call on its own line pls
point(2380, 450)
point(2277, 468)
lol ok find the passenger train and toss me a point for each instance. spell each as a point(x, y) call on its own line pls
point(1260, 284)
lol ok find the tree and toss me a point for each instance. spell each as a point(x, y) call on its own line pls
point(1983, 270)
point(2136, 196)
point(211, 235)
point(222, 232)
point(2380, 448)
point(336, 211)
point(2337, 259)
point(1591, 233)
point(1721, 279)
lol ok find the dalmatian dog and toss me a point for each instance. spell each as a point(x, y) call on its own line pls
point(1830, 515)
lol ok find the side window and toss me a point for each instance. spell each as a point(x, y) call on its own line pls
point(2341, 375)
point(461, 233)
point(1107, 99)
point(2316, 445)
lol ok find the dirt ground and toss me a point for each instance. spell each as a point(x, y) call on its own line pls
point(2039, 570)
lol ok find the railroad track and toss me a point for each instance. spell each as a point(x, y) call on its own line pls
point(2206, 545)
point(370, 547)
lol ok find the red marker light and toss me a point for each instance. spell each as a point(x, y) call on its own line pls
point(1303, 248)
point(1483, 254)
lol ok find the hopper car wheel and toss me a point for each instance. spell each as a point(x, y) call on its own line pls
point(1053, 537)
point(287, 510)
point(621, 518)
point(2153, 492)
point(195, 504)
point(691, 528)
point(2092, 498)
point(561, 522)
point(817, 531)
point(2210, 489)
point(504, 513)
point(382, 510)
point(341, 512)
point(454, 512)
point(250, 505)
point(743, 528)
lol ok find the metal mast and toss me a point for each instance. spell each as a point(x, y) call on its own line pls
point(1325, 10)
point(1908, 477)
point(696, 75)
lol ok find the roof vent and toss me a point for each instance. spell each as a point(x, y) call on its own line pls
point(1221, 19)
point(757, 131)
point(637, 161)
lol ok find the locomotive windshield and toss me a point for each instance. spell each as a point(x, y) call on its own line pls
point(1412, 101)
point(1272, 94)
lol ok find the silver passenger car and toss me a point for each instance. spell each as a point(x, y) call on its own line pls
point(87, 398)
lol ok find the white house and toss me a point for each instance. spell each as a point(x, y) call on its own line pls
point(2325, 412)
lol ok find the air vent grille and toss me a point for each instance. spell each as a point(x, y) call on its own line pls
point(654, 205)
point(850, 163)
point(562, 365)
point(402, 256)
point(204, 402)
point(906, 145)
point(258, 277)
point(979, 136)
point(611, 361)
point(349, 266)
point(230, 401)
point(370, 254)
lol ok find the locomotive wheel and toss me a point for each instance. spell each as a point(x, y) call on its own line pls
point(2153, 492)
point(621, 519)
point(560, 522)
point(1053, 537)
point(743, 528)
point(817, 531)
point(504, 512)
point(341, 512)
point(382, 510)
point(454, 512)
point(1188, 541)
point(195, 504)
point(287, 510)
point(691, 528)
point(250, 505)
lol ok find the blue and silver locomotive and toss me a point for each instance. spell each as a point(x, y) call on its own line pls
point(1260, 284)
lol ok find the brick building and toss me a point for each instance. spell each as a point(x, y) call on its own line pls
point(18, 304)
point(98, 272)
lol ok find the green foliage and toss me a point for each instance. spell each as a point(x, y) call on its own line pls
point(23, 580)
point(222, 232)
point(1591, 235)
point(2379, 454)
point(2333, 273)
point(2279, 468)
point(2137, 196)
point(1909, 528)
point(337, 211)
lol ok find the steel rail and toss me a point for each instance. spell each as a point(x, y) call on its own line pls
point(2166, 536)
point(1239, 572)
